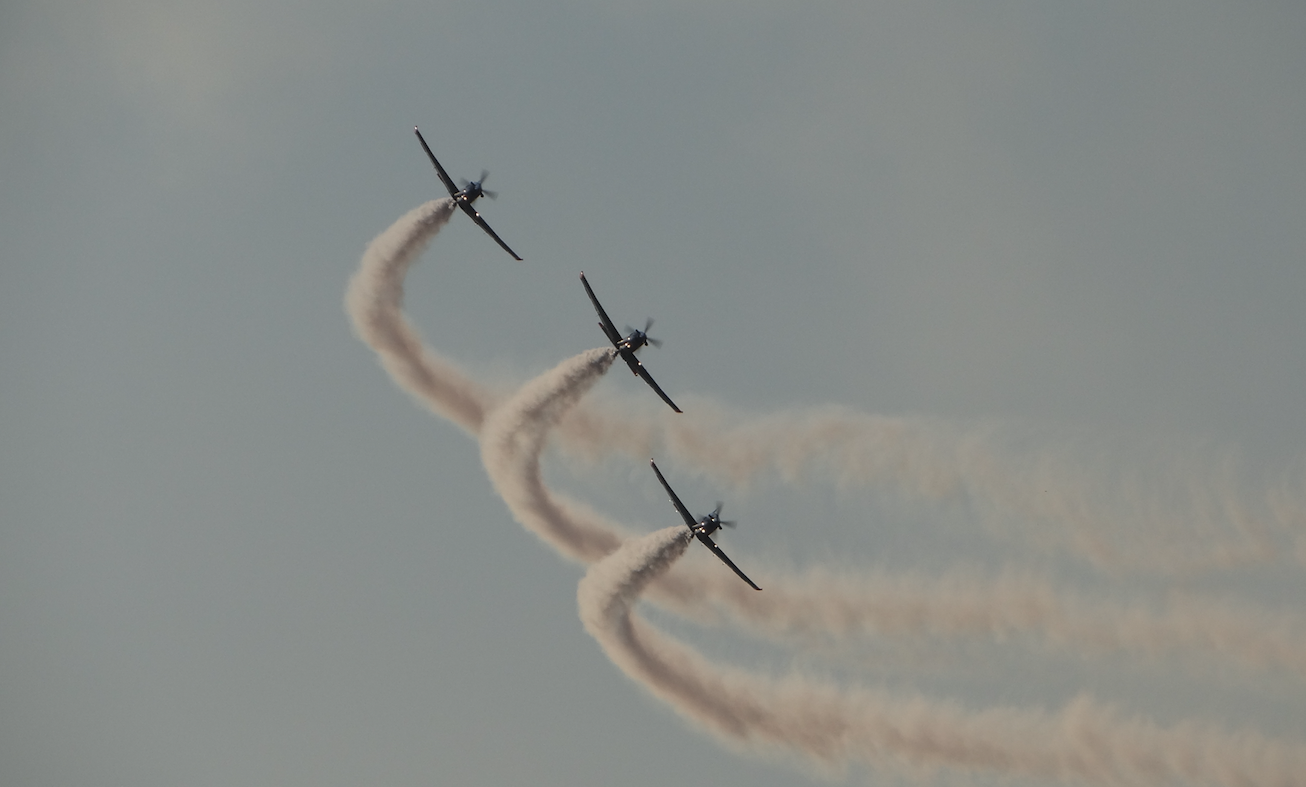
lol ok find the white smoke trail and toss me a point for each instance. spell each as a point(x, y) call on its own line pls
point(1203, 521)
point(918, 458)
point(793, 606)
point(818, 602)
point(374, 302)
point(1163, 511)
point(837, 726)
point(823, 604)
point(512, 440)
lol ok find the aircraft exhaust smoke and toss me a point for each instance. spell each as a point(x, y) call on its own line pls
point(796, 607)
point(511, 443)
point(1190, 519)
point(836, 725)
point(1165, 511)
point(374, 302)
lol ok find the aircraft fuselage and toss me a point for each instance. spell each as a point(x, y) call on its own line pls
point(707, 525)
point(470, 194)
point(634, 341)
point(465, 196)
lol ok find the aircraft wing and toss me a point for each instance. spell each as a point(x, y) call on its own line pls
point(605, 322)
point(638, 368)
point(675, 501)
point(716, 550)
point(439, 170)
point(476, 217)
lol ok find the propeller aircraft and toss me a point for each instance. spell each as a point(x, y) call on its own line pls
point(628, 345)
point(703, 528)
point(469, 193)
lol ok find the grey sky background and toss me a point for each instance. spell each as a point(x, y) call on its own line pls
point(232, 552)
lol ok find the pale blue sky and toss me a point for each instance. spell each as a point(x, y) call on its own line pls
point(232, 552)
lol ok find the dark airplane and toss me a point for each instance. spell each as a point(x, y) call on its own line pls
point(627, 346)
point(469, 193)
point(703, 528)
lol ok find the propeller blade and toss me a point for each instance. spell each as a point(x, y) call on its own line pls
point(716, 514)
point(648, 324)
point(652, 341)
point(485, 173)
point(629, 330)
point(490, 194)
point(728, 523)
point(464, 182)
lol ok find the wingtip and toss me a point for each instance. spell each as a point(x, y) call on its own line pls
point(582, 275)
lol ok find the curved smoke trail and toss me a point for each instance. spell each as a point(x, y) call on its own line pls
point(374, 302)
point(1169, 511)
point(792, 445)
point(514, 431)
point(1111, 521)
point(797, 606)
point(837, 726)
point(511, 443)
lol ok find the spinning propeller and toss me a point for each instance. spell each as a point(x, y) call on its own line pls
point(716, 514)
point(485, 173)
point(647, 338)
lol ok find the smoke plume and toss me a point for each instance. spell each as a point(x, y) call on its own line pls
point(840, 725)
point(511, 443)
point(824, 603)
point(1199, 520)
point(1187, 517)
point(374, 302)
point(1115, 505)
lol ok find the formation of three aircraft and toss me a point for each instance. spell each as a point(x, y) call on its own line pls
point(626, 347)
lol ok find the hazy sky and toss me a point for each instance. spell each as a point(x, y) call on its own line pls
point(233, 552)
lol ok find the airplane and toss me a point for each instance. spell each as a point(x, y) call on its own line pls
point(627, 346)
point(703, 528)
point(469, 193)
